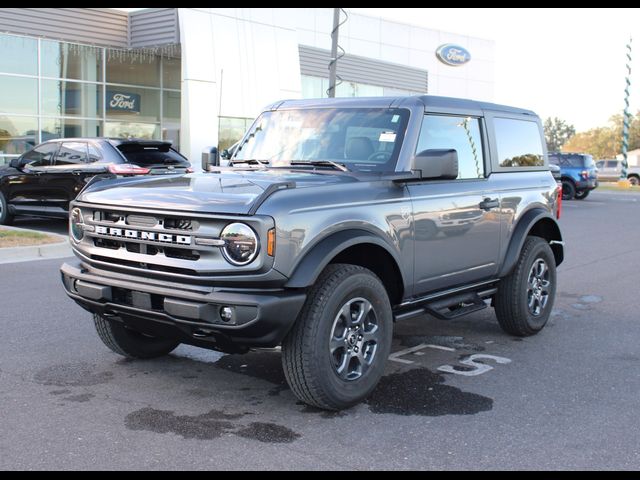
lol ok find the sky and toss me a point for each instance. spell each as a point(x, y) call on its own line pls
point(566, 63)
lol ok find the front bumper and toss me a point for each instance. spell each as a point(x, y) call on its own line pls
point(186, 313)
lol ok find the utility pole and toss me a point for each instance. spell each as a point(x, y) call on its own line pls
point(331, 92)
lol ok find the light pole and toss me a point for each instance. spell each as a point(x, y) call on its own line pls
point(623, 181)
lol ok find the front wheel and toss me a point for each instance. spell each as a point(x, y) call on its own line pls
point(582, 194)
point(634, 180)
point(5, 217)
point(129, 343)
point(525, 297)
point(568, 190)
point(337, 351)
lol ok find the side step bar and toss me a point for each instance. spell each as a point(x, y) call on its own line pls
point(448, 307)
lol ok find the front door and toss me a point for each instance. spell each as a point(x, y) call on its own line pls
point(456, 222)
point(25, 191)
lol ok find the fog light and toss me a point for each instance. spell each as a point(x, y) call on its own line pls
point(226, 314)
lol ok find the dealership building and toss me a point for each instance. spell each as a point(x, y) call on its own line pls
point(199, 76)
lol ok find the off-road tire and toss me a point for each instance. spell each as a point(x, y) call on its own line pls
point(568, 190)
point(307, 358)
point(129, 343)
point(512, 299)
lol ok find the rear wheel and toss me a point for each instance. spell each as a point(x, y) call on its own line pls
point(568, 190)
point(582, 194)
point(525, 297)
point(634, 180)
point(337, 351)
point(129, 343)
point(5, 217)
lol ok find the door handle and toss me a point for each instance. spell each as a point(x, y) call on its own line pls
point(489, 203)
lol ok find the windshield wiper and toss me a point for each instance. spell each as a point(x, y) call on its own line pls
point(321, 163)
point(254, 161)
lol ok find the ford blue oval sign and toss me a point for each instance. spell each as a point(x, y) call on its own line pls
point(453, 55)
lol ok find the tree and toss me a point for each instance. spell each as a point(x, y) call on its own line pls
point(605, 142)
point(557, 132)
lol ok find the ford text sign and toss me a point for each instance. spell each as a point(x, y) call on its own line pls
point(453, 55)
point(123, 102)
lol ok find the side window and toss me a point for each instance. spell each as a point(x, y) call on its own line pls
point(612, 163)
point(94, 154)
point(600, 164)
point(41, 156)
point(72, 153)
point(459, 133)
point(519, 143)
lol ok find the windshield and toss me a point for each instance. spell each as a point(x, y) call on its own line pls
point(572, 160)
point(362, 139)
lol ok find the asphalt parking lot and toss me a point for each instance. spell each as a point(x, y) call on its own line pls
point(456, 395)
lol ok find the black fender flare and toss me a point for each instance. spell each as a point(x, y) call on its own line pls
point(526, 223)
point(307, 270)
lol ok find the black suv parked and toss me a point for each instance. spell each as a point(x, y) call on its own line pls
point(45, 179)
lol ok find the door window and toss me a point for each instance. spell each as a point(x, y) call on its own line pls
point(459, 133)
point(41, 156)
point(72, 153)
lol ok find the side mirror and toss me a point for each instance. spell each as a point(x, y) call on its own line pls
point(210, 157)
point(16, 163)
point(439, 164)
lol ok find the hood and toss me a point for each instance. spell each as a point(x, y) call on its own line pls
point(228, 192)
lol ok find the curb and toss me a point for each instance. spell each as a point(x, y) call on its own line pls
point(36, 252)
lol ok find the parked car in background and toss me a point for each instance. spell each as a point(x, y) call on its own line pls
point(578, 174)
point(610, 170)
point(45, 179)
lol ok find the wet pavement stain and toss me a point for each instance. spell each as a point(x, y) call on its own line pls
point(84, 397)
point(72, 375)
point(207, 426)
point(322, 413)
point(59, 392)
point(268, 433)
point(442, 340)
point(421, 392)
point(202, 427)
point(265, 366)
point(590, 299)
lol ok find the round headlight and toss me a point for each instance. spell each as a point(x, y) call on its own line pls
point(241, 244)
point(76, 224)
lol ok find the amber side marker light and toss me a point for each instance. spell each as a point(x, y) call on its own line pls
point(271, 242)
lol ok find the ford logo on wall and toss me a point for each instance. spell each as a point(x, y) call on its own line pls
point(123, 102)
point(453, 55)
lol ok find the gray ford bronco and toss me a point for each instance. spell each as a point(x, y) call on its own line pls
point(334, 219)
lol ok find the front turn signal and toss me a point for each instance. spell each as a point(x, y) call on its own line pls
point(271, 242)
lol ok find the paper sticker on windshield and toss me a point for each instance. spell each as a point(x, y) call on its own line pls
point(387, 137)
point(395, 118)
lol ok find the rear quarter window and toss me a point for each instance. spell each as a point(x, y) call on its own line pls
point(518, 143)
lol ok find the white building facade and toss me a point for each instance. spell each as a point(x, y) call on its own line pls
point(201, 75)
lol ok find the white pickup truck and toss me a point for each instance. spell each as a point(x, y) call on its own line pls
point(609, 171)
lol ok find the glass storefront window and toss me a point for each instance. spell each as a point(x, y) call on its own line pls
point(171, 117)
point(171, 73)
point(130, 104)
point(71, 99)
point(133, 68)
point(19, 55)
point(231, 130)
point(132, 129)
point(312, 87)
point(17, 134)
point(18, 95)
point(70, 127)
point(68, 60)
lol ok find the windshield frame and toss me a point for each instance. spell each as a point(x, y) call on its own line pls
point(388, 166)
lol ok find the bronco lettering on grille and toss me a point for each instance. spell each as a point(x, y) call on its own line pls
point(142, 235)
